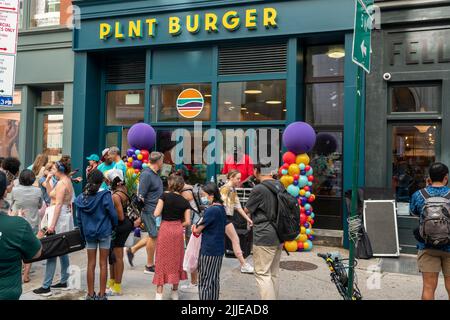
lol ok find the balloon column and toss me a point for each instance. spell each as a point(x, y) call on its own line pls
point(297, 176)
point(141, 138)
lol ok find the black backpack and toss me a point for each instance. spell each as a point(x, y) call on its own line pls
point(287, 220)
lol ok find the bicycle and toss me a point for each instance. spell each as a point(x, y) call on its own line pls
point(339, 275)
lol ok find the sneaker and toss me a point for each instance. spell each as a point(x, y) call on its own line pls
point(247, 268)
point(90, 298)
point(149, 270)
point(43, 292)
point(61, 286)
point(110, 284)
point(159, 296)
point(174, 295)
point(189, 288)
point(101, 298)
point(130, 257)
point(116, 290)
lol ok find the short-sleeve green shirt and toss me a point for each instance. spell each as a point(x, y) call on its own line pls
point(17, 242)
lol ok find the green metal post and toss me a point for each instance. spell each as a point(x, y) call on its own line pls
point(354, 206)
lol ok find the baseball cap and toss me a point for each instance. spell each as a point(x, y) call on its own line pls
point(3, 184)
point(114, 173)
point(93, 157)
point(104, 152)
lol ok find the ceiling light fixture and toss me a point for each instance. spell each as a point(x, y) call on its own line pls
point(273, 102)
point(253, 91)
point(336, 53)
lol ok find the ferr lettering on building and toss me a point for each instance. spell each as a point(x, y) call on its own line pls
point(208, 22)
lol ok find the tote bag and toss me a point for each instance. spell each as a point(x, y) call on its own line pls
point(190, 262)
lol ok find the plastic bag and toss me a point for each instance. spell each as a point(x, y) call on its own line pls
point(192, 253)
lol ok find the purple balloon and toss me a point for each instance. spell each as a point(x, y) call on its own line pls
point(137, 164)
point(131, 152)
point(142, 136)
point(299, 137)
point(134, 156)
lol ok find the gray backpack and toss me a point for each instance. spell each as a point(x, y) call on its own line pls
point(435, 225)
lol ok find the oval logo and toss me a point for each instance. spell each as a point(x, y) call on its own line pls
point(190, 103)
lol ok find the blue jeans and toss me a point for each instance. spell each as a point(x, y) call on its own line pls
point(50, 269)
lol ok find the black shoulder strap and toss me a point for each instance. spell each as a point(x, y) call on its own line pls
point(126, 195)
point(425, 194)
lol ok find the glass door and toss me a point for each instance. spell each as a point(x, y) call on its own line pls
point(50, 134)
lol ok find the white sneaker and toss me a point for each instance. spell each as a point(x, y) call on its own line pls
point(174, 295)
point(247, 268)
point(189, 288)
point(159, 296)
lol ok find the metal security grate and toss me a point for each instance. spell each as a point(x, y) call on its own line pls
point(129, 68)
point(257, 58)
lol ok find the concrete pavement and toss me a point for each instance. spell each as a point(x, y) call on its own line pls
point(313, 284)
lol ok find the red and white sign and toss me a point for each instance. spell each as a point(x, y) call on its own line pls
point(8, 32)
point(9, 5)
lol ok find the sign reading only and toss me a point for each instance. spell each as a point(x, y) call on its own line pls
point(362, 36)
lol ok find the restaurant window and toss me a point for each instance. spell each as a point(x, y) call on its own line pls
point(51, 98)
point(325, 103)
point(415, 98)
point(124, 107)
point(414, 149)
point(9, 134)
point(252, 101)
point(181, 102)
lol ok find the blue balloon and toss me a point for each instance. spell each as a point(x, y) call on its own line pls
point(131, 152)
point(284, 172)
point(302, 172)
point(307, 194)
point(310, 172)
point(302, 166)
point(308, 231)
point(312, 215)
point(307, 206)
point(311, 238)
point(293, 190)
point(137, 152)
point(308, 213)
point(303, 181)
point(306, 224)
point(310, 244)
point(309, 183)
point(295, 182)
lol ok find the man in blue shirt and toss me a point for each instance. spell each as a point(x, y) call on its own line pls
point(432, 260)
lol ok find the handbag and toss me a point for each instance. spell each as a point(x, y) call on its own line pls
point(363, 246)
point(60, 244)
point(190, 261)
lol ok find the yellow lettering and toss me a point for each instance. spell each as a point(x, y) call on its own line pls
point(118, 31)
point(193, 28)
point(270, 16)
point(105, 31)
point(135, 29)
point(174, 26)
point(230, 20)
point(151, 26)
point(250, 18)
point(211, 22)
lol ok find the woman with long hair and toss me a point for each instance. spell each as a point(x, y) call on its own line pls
point(175, 215)
point(121, 202)
point(38, 167)
point(232, 204)
point(212, 249)
point(58, 219)
point(97, 217)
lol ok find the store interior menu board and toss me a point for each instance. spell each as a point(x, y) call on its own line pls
point(380, 222)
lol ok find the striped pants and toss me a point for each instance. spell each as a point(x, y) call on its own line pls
point(209, 277)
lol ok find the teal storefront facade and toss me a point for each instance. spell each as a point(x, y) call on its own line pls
point(133, 59)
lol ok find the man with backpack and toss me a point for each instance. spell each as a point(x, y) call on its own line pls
point(432, 205)
point(263, 206)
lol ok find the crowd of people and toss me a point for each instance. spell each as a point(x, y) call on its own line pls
point(40, 201)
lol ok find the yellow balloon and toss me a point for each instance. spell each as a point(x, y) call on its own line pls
point(302, 158)
point(303, 230)
point(303, 237)
point(306, 245)
point(293, 169)
point(302, 192)
point(291, 246)
point(286, 181)
point(140, 157)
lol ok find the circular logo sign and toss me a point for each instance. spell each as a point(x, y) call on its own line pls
point(190, 103)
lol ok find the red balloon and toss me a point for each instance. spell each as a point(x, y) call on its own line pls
point(285, 166)
point(289, 158)
point(302, 209)
point(296, 176)
point(129, 165)
point(311, 222)
point(136, 171)
point(311, 178)
point(300, 245)
point(306, 188)
point(307, 168)
point(302, 218)
point(311, 199)
point(145, 154)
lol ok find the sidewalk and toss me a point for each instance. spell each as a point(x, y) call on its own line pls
point(313, 284)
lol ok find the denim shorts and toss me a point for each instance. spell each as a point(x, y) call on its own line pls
point(150, 226)
point(104, 243)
